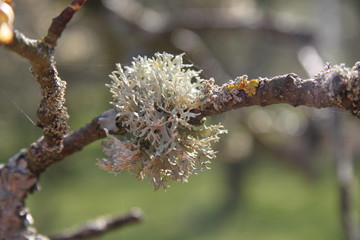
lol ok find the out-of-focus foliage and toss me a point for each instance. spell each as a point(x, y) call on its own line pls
point(274, 177)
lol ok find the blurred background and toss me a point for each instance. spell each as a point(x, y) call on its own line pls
point(278, 174)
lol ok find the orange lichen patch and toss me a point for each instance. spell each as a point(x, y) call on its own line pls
point(249, 86)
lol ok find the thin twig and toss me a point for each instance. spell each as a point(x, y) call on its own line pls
point(99, 226)
point(20, 175)
point(52, 113)
point(59, 23)
point(37, 156)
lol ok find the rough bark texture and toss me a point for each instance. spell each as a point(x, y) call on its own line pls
point(59, 23)
point(15, 183)
point(336, 86)
point(99, 226)
point(20, 175)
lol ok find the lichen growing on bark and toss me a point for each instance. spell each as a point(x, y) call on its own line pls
point(153, 99)
point(342, 85)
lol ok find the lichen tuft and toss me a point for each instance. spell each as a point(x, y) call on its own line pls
point(153, 99)
point(342, 85)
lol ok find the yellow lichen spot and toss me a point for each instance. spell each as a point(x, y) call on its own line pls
point(243, 84)
point(250, 88)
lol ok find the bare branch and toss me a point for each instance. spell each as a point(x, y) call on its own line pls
point(326, 91)
point(15, 183)
point(335, 86)
point(26, 47)
point(100, 226)
point(59, 23)
point(52, 113)
point(20, 175)
point(38, 157)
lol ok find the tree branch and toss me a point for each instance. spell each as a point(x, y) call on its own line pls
point(52, 113)
point(26, 47)
point(335, 86)
point(59, 23)
point(329, 89)
point(20, 175)
point(15, 183)
point(38, 158)
point(99, 226)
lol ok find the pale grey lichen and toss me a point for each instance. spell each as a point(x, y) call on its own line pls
point(342, 85)
point(153, 99)
point(107, 120)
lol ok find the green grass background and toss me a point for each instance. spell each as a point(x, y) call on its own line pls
point(277, 203)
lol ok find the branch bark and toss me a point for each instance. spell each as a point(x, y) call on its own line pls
point(335, 86)
point(150, 21)
point(20, 175)
point(99, 226)
point(59, 23)
point(52, 113)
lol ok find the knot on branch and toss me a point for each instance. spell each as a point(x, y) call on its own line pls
point(292, 79)
point(342, 85)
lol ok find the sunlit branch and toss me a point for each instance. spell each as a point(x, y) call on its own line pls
point(99, 226)
point(20, 175)
point(336, 86)
point(59, 23)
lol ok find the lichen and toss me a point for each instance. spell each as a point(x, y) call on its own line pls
point(242, 83)
point(342, 85)
point(153, 99)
